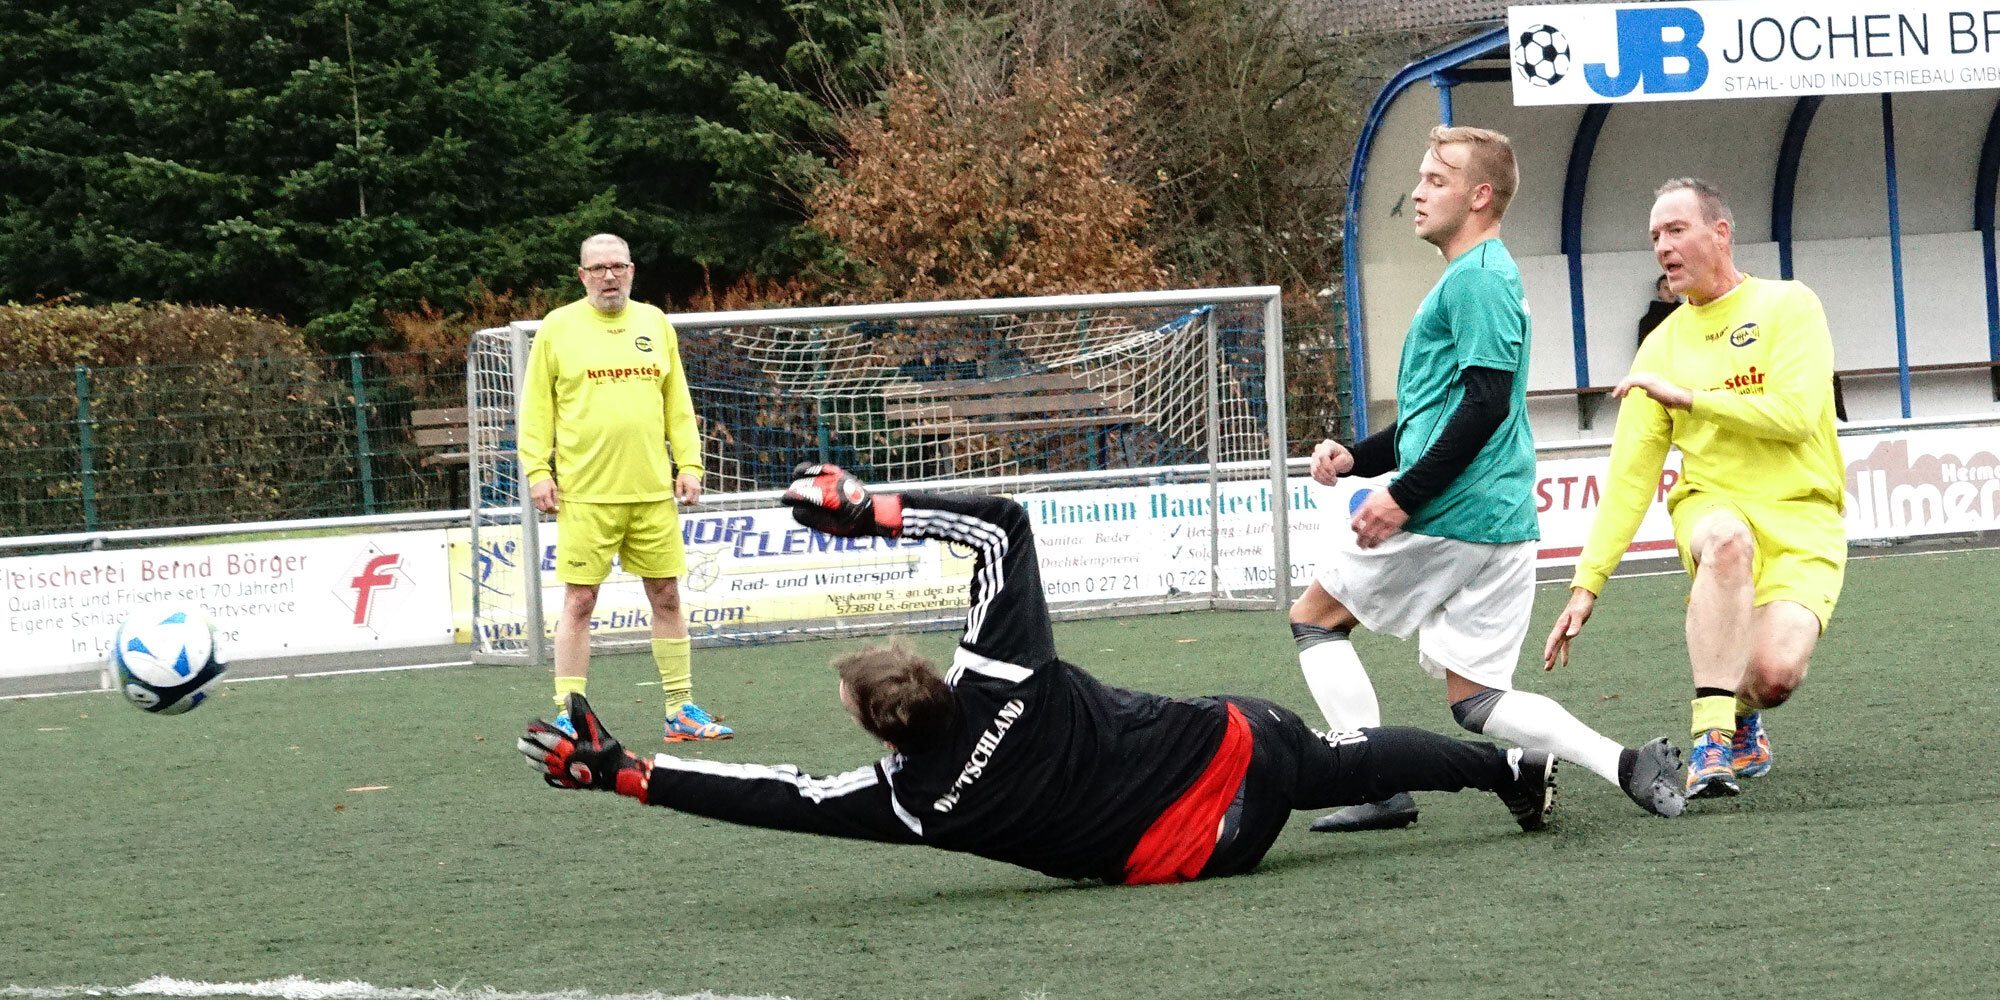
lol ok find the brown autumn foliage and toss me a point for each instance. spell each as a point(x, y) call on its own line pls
point(1011, 193)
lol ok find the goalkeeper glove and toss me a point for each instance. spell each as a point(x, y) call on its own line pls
point(592, 758)
point(828, 499)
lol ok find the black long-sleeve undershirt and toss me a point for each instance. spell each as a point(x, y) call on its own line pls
point(1480, 413)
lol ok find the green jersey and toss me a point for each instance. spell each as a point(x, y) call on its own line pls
point(1474, 317)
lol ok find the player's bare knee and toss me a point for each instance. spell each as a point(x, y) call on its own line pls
point(1772, 680)
point(665, 596)
point(579, 601)
point(1729, 552)
point(1320, 609)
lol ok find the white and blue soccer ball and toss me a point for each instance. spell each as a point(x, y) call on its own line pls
point(166, 659)
point(1541, 54)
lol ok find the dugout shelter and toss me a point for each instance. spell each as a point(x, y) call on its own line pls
point(1882, 202)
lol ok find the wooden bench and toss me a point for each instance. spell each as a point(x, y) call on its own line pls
point(1992, 368)
point(1034, 402)
point(444, 438)
point(1588, 398)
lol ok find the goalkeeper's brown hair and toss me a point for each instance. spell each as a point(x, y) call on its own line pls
point(1491, 160)
point(898, 695)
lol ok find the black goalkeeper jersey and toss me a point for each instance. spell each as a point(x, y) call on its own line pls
point(1047, 768)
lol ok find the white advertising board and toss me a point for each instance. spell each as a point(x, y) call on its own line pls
point(1714, 49)
point(276, 598)
point(342, 594)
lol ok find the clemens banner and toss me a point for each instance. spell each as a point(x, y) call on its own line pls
point(1605, 53)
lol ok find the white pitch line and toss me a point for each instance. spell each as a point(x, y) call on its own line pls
point(300, 988)
point(264, 677)
point(352, 670)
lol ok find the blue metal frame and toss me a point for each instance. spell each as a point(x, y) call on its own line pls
point(1357, 358)
point(1785, 187)
point(1896, 249)
point(1983, 191)
point(1575, 183)
point(1443, 85)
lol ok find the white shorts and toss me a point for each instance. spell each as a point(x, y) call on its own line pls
point(1469, 602)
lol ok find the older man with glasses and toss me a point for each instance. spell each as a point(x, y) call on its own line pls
point(605, 389)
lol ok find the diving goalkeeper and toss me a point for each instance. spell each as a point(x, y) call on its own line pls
point(1020, 756)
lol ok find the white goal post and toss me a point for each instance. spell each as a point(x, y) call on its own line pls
point(1143, 432)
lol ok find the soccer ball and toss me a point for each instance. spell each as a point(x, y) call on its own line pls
point(1542, 55)
point(166, 659)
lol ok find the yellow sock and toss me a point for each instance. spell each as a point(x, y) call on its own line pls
point(1715, 712)
point(566, 686)
point(676, 671)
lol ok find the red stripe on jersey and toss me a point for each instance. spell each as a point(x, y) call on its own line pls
point(1178, 844)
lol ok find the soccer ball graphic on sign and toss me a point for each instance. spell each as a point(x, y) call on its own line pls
point(166, 659)
point(1541, 53)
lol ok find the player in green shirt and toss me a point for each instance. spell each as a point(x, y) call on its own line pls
point(1447, 550)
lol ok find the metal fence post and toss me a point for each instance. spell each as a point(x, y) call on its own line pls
point(84, 444)
point(822, 430)
point(367, 461)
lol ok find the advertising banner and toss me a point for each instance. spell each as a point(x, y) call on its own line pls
point(350, 593)
point(1907, 484)
point(275, 598)
point(1712, 49)
point(752, 567)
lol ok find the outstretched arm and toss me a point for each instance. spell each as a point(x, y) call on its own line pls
point(1638, 453)
point(1008, 620)
point(857, 804)
point(1007, 632)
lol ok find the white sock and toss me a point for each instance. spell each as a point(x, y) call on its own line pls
point(1532, 720)
point(1340, 685)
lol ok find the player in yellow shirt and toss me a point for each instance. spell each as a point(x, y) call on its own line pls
point(1740, 379)
point(606, 399)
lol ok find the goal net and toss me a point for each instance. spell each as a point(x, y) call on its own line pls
point(1143, 432)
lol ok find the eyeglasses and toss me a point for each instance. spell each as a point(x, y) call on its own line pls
point(604, 270)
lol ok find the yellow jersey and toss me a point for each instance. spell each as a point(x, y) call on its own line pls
point(1760, 363)
point(605, 399)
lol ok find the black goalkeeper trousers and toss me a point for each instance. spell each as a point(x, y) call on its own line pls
point(1294, 767)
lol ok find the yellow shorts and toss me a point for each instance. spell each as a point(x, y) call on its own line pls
point(1801, 547)
point(646, 538)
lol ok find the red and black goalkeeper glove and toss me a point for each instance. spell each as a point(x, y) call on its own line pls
point(830, 500)
point(592, 758)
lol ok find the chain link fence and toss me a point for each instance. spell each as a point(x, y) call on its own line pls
point(281, 438)
point(232, 440)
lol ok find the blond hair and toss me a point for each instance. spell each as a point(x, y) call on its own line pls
point(1491, 163)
